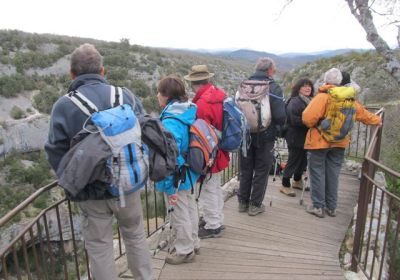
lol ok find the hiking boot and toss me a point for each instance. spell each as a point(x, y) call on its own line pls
point(202, 223)
point(298, 184)
point(179, 259)
point(243, 207)
point(330, 212)
point(287, 191)
point(197, 251)
point(255, 210)
point(319, 212)
point(209, 233)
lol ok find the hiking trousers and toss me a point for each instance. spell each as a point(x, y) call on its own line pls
point(324, 168)
point(211, 201)
point(254, 171)
point(296, 164)
point(184, 223)
point(97, 219)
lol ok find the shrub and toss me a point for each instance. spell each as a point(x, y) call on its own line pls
point(38, 173)
point(44, 100)
point(140, 88)
point(17, 113)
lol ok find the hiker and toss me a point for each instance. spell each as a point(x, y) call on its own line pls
point(209, 100)
point(348, 82)
point(97, 204)
point(255, 166)
point(326, 143)
point(300, 97)
point(177, 116)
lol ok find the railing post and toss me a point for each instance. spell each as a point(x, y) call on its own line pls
point(361, 216)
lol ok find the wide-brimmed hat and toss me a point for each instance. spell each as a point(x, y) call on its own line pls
point(198, 73)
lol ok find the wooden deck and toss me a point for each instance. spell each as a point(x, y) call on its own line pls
point(285, 242)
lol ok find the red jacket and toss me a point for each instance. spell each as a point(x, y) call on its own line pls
point(209, 100)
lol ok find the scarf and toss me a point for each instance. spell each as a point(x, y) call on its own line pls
point(306, 99)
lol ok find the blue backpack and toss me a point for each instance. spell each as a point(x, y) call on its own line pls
point(234, 127)
point(119, 128)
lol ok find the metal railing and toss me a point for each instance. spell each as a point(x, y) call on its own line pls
point(376, 249)
point(50, 244)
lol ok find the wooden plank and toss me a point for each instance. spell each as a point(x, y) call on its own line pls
point(283, 243)
point(182, 274)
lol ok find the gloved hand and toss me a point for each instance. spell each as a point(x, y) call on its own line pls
point(173, 199)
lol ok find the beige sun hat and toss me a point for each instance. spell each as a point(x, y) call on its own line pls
point(198, 73)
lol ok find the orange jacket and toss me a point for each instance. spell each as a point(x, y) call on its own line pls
point(315, 111)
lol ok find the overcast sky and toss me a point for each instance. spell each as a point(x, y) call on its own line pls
point(304, 26)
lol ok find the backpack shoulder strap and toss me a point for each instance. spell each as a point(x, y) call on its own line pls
point(83, 103)
point(116, 96)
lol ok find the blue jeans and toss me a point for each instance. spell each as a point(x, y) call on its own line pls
point(324, 168)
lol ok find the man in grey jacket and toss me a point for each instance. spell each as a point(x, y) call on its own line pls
point(97, 205)
point(254, 168)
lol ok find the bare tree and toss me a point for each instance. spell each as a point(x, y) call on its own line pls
point(362, 11)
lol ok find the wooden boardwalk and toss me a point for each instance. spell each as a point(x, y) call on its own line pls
point(285, 242)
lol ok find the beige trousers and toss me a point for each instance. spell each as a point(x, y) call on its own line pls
point(184, 223)
point(211, 202)
point(97, 218)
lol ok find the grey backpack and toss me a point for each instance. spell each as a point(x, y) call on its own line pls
point(162, 148)
point(252, 98)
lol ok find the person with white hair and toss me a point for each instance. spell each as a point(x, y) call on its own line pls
point(325, 140)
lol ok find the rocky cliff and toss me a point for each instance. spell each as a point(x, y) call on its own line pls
point(24, 135)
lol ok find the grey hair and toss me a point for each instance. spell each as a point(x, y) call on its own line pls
point(264, 63)
point(85, 59)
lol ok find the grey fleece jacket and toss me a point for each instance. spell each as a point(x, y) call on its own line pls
point(67, 120)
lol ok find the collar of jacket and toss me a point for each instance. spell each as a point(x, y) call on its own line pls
point(260, 75)
point(200, 92)
point(85, 79)
point(325, 88)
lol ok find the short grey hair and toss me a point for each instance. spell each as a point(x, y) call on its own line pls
point(85, 59)
point(265, 63)
point(333, 76)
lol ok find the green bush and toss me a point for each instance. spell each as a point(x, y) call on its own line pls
point(10, 86)
point(38, 173)
point(17, 113)
point(140, 88)
point(44, 100)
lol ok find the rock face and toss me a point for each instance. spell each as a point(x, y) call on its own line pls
point(24, 135)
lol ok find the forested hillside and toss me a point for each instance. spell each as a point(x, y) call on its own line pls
point(40, 62)
point(34, 73)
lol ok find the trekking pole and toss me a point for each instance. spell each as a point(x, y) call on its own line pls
point(161, 244)
point(164, 243)
point(274, 178)
point(305, 185)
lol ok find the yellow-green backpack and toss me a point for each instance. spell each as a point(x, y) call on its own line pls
point(340, 114)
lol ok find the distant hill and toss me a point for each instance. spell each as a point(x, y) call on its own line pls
point(285, 62)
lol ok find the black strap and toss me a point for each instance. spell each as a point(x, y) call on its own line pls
point(83, 102)
point(116, 101)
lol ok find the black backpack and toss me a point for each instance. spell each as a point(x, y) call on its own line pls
point(162, 148)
